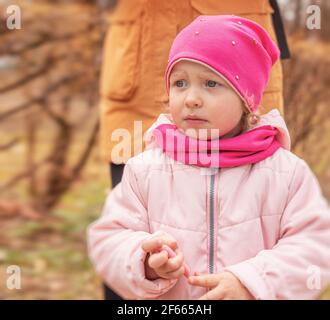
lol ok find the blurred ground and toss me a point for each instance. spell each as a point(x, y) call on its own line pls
point(52, 252)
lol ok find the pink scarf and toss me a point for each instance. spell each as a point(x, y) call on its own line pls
point(249, 147)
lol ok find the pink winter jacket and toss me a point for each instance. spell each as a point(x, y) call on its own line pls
point(267, 223)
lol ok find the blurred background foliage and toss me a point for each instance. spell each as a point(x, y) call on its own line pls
point(52, 180)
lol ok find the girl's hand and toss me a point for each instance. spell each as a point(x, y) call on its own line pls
point(159, 264)
point(224, 285)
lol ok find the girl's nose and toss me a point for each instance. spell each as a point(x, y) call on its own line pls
point(193, 102)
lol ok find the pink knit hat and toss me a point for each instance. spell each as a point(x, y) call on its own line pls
point(238, 49)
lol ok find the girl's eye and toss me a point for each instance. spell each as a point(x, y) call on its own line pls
point(211, 83)
point(179, 83)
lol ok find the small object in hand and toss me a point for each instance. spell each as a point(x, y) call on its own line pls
point(172, 254)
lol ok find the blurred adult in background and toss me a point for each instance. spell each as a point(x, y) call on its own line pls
point(134, 60)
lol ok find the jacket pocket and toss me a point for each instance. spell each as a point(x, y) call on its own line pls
point(121, 52)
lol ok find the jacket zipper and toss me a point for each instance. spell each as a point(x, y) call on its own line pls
point(211, 252)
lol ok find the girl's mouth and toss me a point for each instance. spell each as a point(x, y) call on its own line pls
point(194, 121)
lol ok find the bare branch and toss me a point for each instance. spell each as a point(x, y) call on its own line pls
point(9, 144)
point(64, 179)
point(89, 146)
point(54, 116)
point(22, 107)
point(22, 175)
point(25, 79)
point(47, 38)
point(53, 87)
point(50, 63)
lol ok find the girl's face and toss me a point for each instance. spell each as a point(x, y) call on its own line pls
point(201, 99)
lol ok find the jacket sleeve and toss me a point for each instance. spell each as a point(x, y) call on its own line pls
point(298, 266)
point(114, 242)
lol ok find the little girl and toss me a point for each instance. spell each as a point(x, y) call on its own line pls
point(217, 207)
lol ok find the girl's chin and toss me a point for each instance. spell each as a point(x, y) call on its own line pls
point(201, 133)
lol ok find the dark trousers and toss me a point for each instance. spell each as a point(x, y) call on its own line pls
point(116, 172)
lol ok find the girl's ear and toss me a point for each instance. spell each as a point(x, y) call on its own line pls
point(252, 119)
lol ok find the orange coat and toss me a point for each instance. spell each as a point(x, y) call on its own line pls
point(135, 56)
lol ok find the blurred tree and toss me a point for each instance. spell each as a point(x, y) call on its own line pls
point(295, 13)
point(54, 70)
point(306, 95)
point(325, 25)
point(306, 83)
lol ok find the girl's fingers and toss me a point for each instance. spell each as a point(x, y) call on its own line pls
point(207, 280)
point(199, 273)
point(216, 294)
point(174, 263)
point(176, 273)
point(156, 260)
point(155, 244)
point(151, 245)
point(170, 241)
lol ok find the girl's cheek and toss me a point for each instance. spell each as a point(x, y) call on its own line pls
point(170, 107)
point(166, 107)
